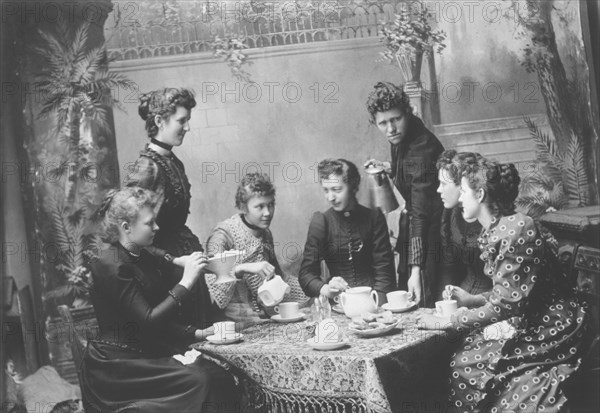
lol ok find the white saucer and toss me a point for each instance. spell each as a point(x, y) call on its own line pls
point(374, 332)
point(318, 345)
point(214, 339)
point(410, 306)
point(277, 317)
point(337, 308)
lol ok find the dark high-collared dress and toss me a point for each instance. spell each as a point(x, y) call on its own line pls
point(415, 176)
point(165, 175)
point(461, 264)
point(354, 244)
point(142, 323)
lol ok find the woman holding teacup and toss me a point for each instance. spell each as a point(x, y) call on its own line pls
point(526, 335)
point(353, 240)
point(248, 231)
point(460, 264)
point(139, 310)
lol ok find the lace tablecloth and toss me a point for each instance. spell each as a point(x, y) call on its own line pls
point(379, 374)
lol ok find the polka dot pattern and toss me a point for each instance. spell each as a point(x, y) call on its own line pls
point(484, 377)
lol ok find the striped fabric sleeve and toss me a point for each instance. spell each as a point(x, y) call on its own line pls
point(416, 255)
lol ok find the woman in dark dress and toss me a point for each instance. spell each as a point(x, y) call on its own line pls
point(166, 113)
point(353, 240)
point(414, 152)
point(460, 251)
point(525, 336)
point(130, 367)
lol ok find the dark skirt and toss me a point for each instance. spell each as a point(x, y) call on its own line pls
point(119, 380)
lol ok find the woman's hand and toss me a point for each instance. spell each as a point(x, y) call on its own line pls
point(262, 268)
point(433, 322)
point(181, 261)
point(338, 284)
point(200, 335)
point(335, 286)
point(414, 283)
point(194, 266)
point(463, 298)
point(386, 166)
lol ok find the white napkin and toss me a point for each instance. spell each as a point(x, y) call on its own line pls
point(500, 330)
point(188, 358)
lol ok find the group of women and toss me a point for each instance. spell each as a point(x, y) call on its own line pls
point(154, 296)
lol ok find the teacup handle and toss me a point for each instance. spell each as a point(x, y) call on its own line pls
point(342, 300)
point(276, 309)
point(438, 309)
point(375, 297)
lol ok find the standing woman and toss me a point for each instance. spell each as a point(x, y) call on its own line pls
point(414, 152)
point(167, 113)
point(460, 251)
point(526, 335)
point(129, 366)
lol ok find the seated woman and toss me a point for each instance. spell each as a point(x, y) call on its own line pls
point(130, 365)
point(460, 252)
point(494, 368)
point(249, 231)
point(353, 240)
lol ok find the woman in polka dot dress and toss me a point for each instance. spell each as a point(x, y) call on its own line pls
point(525, 337)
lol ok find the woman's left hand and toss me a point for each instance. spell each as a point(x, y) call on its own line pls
point(433, 322)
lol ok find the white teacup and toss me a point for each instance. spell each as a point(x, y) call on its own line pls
point(287, 310)
point(446, 308)
point(398, 299)
point(223, 329)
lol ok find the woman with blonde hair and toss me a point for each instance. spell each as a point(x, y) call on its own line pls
point(140, 313)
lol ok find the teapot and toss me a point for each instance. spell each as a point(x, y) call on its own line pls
point(271, 292)
point(382, 189)
point(358, 300)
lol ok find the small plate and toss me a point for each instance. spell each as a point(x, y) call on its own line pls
point(410, 306)
point(373, 332)
point(317, 345)
point(338, 308)
point(277, 317)
point(214, 339)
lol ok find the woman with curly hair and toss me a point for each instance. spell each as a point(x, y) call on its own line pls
point(414, 152)
point(249, 231)
point(460, 251)
point(166, 113)
point(526, 335)
point(129, 365)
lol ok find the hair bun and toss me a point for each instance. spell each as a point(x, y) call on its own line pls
point(144, 107)
point(509, 176)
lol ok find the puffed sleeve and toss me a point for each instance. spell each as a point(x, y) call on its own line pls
point(219, 241)
point(131, 299)
point(383, 257)
point(516, 250)
point(424, 183)
point(314, 249)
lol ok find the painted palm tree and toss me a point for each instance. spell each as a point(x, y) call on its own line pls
point(78, 92)
point(77, 87)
